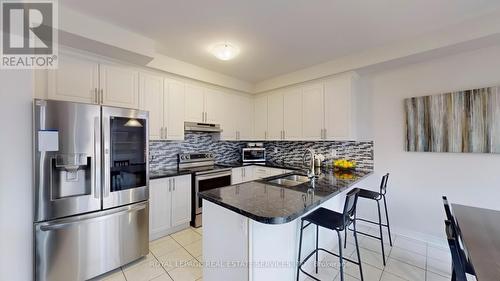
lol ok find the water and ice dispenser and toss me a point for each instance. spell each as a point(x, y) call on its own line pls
point(71, 175)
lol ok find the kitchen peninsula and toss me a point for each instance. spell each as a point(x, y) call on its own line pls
point(251, 230)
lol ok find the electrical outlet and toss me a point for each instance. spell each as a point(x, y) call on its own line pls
point(334, 153)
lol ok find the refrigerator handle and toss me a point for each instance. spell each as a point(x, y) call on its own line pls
point(62, 223)
point(97, 158)
point(106, 168)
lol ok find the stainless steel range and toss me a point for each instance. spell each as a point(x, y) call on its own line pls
point(206, 176)
point(91, 189)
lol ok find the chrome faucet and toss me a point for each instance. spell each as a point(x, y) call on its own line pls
point(310, 171)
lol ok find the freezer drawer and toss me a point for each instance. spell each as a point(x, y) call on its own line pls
point(83, 247)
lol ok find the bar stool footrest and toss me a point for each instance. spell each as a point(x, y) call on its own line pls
point(314, 252)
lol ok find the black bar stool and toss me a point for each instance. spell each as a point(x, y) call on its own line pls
point(335, 221)
point(377, 196)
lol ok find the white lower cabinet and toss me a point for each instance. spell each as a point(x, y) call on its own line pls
point(169, 205)
point(264, 172)
point(242, 174)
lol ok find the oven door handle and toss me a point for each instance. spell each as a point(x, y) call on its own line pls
point(213, 176)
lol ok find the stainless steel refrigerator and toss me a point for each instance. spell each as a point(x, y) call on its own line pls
point(91, 189)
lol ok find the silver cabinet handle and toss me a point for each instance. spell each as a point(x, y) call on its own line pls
point(169, 185)
point(324, 134)
point(96, 98)
point(283, 134)
point(265, 135)
point(161, 133)
point(102, 96)
point(173, 181)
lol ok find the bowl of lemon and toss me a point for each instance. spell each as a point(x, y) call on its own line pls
point(344, 164)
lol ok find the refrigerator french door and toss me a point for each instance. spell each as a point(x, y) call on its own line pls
point(67, 155)
point(91, 189)
point(125, 155)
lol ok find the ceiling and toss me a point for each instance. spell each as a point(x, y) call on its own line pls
point(278, 36)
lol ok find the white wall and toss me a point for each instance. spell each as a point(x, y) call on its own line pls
point(16, 219)
point(418, 180)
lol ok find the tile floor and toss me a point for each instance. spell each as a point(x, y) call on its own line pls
point(178, 257)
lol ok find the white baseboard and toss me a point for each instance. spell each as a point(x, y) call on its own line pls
point(160, 234)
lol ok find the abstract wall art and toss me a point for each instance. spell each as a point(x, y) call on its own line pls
point(462, 121)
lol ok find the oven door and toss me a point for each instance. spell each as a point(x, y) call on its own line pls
point(207, 181)
point(125, 153)
point(254, 155)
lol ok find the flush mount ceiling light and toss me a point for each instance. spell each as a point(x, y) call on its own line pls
point(224, 51)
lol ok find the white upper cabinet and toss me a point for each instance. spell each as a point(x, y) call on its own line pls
point(230, 122)
point(260, 117)
point(119, 86)
point(275, 116)
point(238, 118)
point(174, 108)
point(292, 114)
point(152, 99)
point(76, 79)
point(244, 117)
point(313, 114)
point(83, 79)
point(215, 106)
point(339, 107)
point(195, 103)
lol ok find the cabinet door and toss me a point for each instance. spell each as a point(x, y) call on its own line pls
point(244, 124)
point(159, 207)
point(260, 117)
point(119, 85)
point(76, 80)
point(195, 100)
point(275, 171)
point(338, 108)
point(231, 117)
point(248, 173)
point(313, 114)
point(151, 99)
point(292, 114)
point(174, 110)
point(215, 106)
point(181, 200)
point(261, 172)
point(275, 116)
point(236, 175)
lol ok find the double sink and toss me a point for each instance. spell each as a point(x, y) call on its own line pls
point(289, 180)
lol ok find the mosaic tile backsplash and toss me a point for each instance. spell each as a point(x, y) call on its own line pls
point(163, 154)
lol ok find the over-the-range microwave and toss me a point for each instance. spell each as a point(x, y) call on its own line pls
point(253, 154)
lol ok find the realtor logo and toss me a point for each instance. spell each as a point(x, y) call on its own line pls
point(29, 31)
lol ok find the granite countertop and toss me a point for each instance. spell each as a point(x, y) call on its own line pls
point(264, 164)
point(173, 172)
point(166, 173)
point(272, 204)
